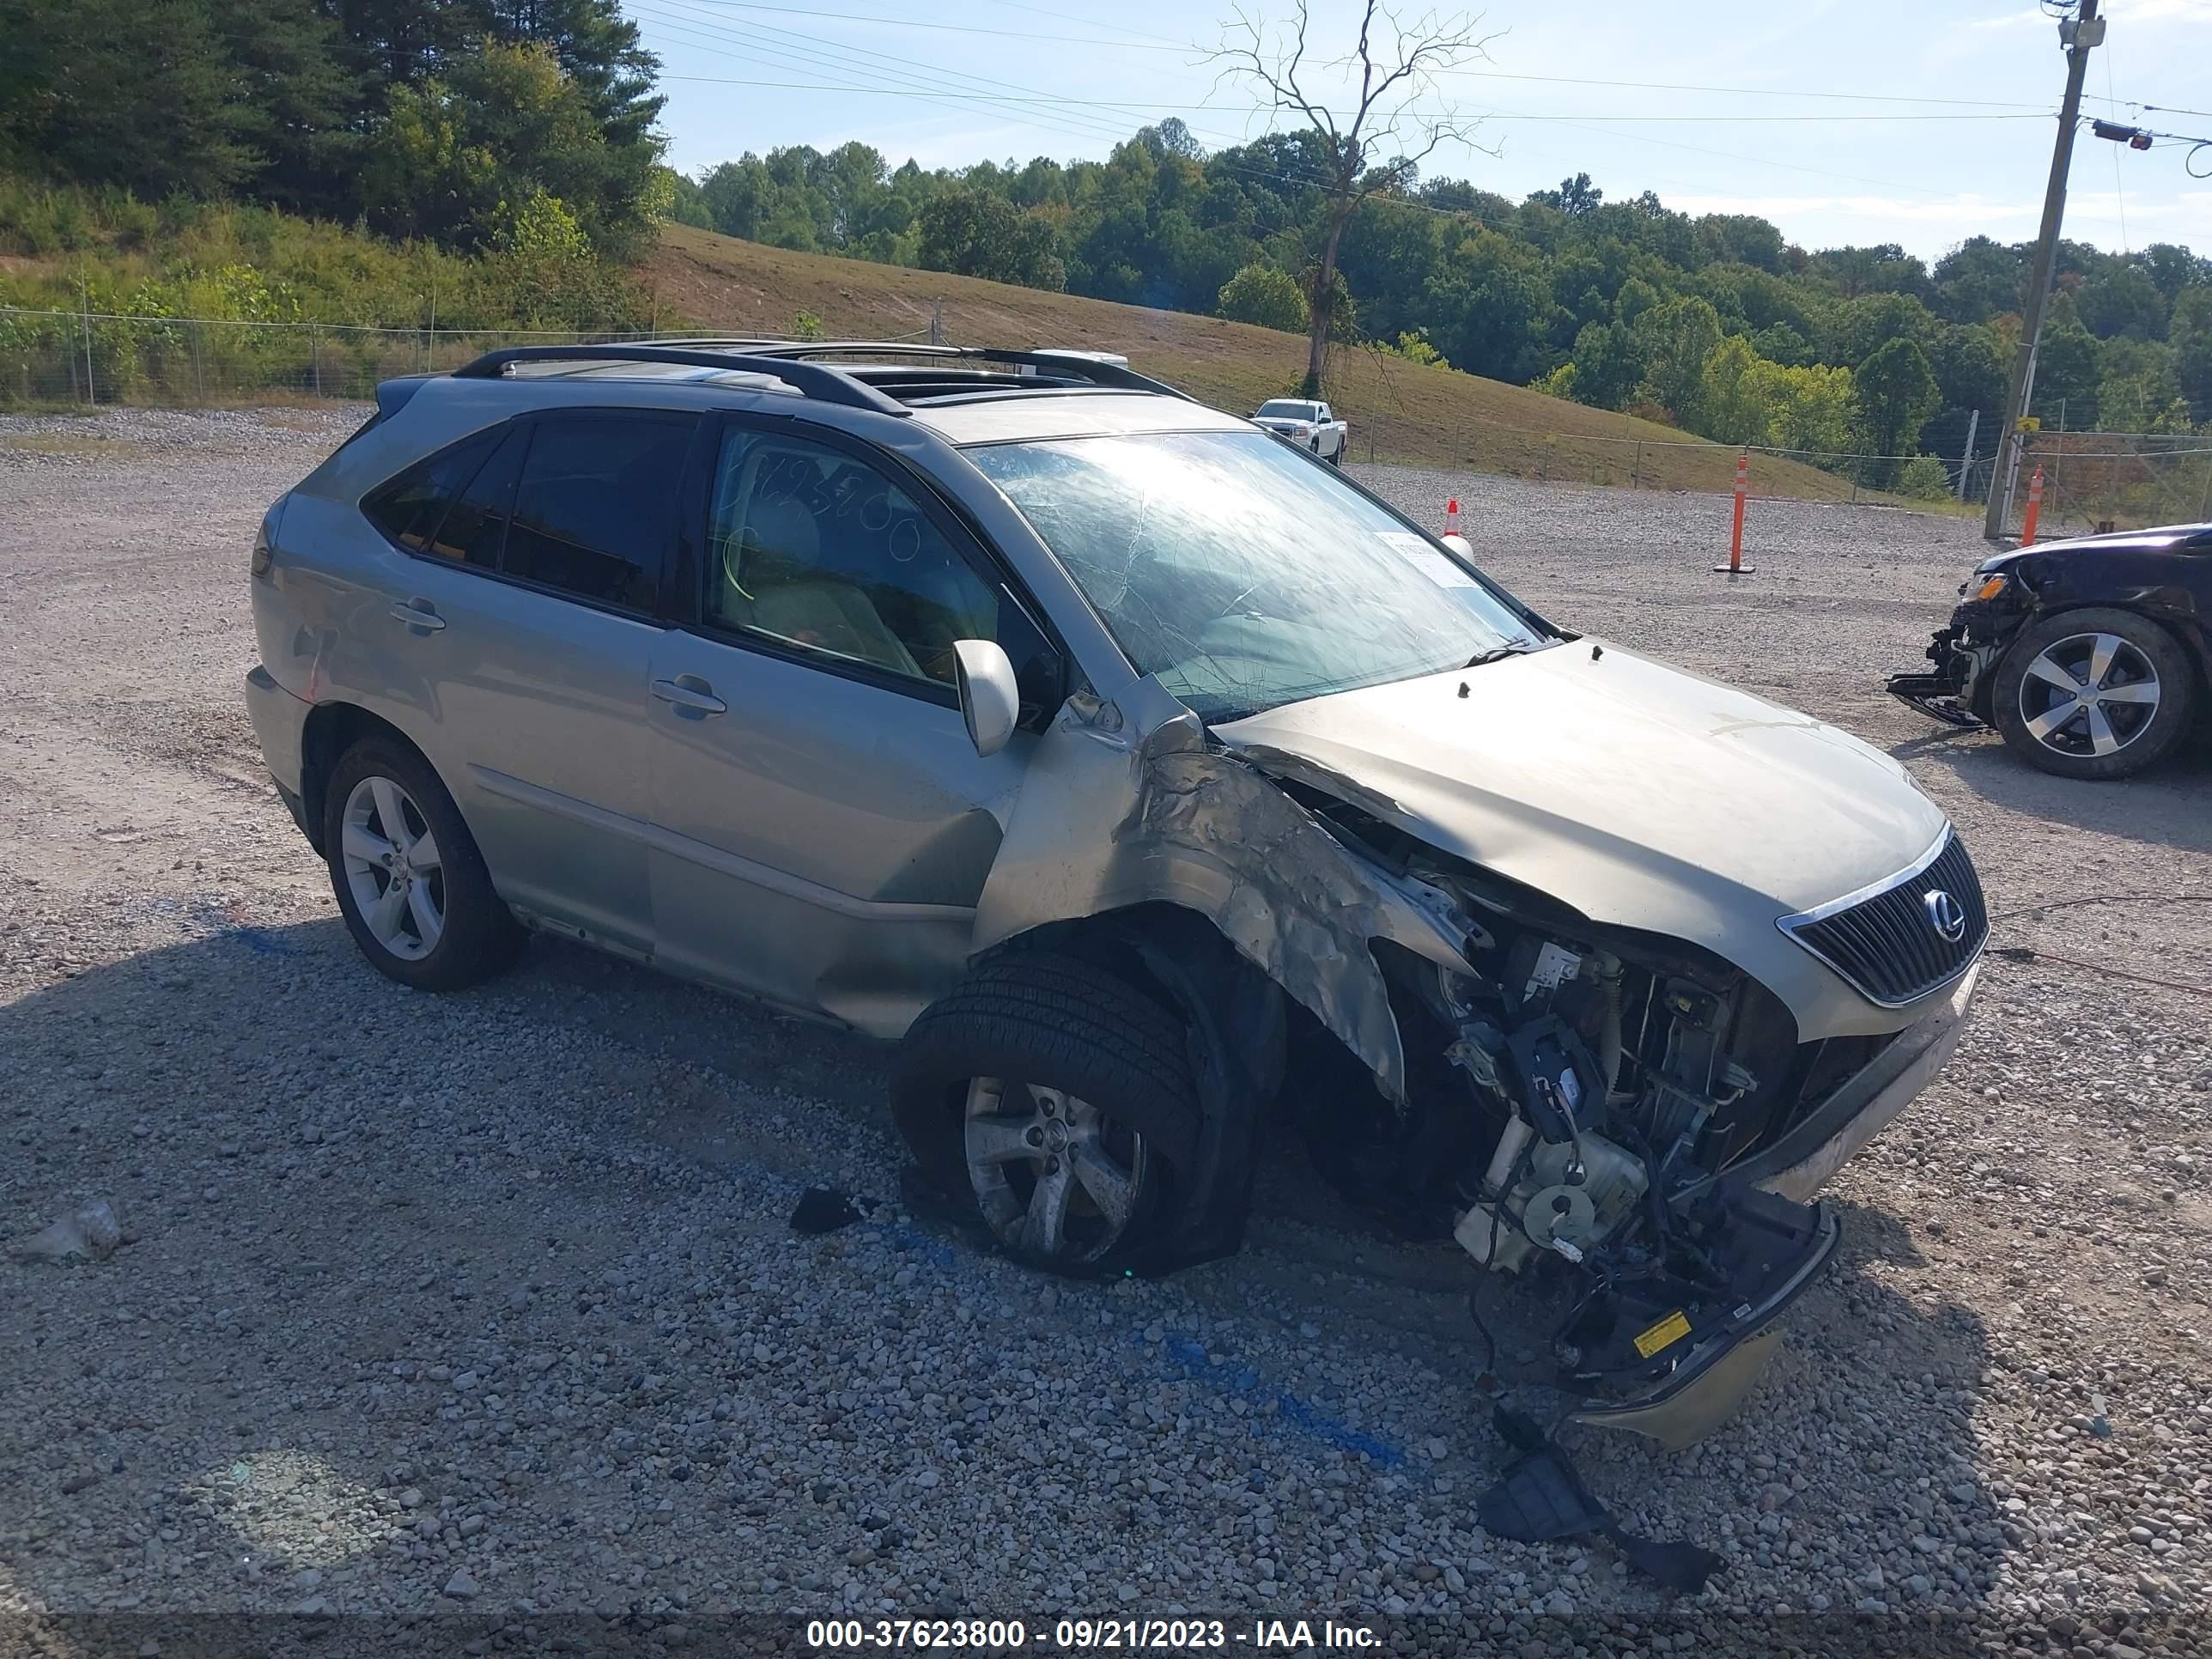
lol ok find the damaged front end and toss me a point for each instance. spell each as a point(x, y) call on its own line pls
point(1593, 1101)
point(1995, 601)
point(1626, 1111)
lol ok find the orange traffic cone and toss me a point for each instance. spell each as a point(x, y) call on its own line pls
point(1451, 517)
point(2034, 507)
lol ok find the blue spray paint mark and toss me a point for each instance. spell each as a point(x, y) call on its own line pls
point(936, 1249)
point(261, 943)
point(1190, 1357)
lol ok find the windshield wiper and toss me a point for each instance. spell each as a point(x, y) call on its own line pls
point(1510, 649)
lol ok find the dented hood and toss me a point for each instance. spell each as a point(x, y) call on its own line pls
point(1637, 793)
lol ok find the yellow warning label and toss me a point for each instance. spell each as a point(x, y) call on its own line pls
point(1667, 1332)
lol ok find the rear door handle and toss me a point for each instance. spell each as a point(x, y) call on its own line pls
point(417, 613)
point(692, 696)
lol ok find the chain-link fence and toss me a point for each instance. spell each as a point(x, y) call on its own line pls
point(62, 359)
point(1625, 461)
point(2096, 481)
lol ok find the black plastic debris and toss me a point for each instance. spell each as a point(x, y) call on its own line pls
point(824, 1209)
point(1541, 1498)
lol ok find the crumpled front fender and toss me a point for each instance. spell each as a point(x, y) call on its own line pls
point(1128, 803)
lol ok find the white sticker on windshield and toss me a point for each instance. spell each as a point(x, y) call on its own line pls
point(1432, 562)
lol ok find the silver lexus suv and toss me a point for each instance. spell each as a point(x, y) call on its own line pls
point(1158, 790)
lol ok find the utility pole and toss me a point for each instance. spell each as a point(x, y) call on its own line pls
point(2079, 34)
point(1966, 461)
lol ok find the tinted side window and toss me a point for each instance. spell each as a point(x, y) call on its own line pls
point(408, 508)
point(474, 530)
point(808, 546)
point(596, 510)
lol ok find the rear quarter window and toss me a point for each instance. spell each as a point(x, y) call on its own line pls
point(410, 508)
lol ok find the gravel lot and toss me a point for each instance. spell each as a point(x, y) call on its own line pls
point(486, 1304)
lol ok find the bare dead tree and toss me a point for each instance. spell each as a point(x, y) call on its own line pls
point(1381, 142)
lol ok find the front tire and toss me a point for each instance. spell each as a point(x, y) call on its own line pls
point(1058, 1099)
point(2093, 694)
point(407, 874)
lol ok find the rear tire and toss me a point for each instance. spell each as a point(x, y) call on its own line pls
point(409, 878)
point(2046, 694)
point(1059, 1100)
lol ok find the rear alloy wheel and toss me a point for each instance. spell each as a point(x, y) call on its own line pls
point(406, 872)
point(2093, 694)
point(390, 856)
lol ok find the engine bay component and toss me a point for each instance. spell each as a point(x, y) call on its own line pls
point(1574, 1193)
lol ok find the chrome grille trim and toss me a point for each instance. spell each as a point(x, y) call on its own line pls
point(1880, 939)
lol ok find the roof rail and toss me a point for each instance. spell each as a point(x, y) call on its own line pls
point(1079, 368)
point(828, 386)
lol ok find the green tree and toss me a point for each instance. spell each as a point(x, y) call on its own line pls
point(2122, 301)
point(1559, 382)
point(1608, 364)
point(1968, 370)
point(1981, 279)
point(1863, 325)
point(1731, 403)
point(1924, 478)
point(1675, 338)
point(1810, 409)
point(2191, 334)
point(976, 234)
point(600, 50)
point(2067, 370)
point(198, 97)
point(1262, 294)
point(1897, 393)
point(460, 152)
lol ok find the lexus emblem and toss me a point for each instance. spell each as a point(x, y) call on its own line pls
point(1945, 914)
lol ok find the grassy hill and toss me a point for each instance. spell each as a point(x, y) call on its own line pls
point(1398, 411)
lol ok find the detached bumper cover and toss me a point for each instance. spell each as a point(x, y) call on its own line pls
point(1946, 694)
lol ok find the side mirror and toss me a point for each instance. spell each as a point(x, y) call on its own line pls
point(990, 701)
point(1459, 544)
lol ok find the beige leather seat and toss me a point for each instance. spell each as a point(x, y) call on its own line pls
point(773, 582)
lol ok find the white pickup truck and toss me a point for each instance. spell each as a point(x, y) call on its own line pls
point(1308, 424)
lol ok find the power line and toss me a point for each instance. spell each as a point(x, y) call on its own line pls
point(880, 90)
point(1064, 17)
point(944, 93)
point(983, 93)
point(1736, 92)
point(811, 51)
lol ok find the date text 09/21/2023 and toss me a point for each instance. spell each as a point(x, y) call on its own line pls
point(1264, 1635)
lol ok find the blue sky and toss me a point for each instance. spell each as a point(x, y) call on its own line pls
point(1735, 108)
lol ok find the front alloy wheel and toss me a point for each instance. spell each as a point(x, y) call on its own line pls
point(1057, 1181)
point(2095, 693)
point(2089, 694)
point(392, 864)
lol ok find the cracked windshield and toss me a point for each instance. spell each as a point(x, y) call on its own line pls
point(1244, 576)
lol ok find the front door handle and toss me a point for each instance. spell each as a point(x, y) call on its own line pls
point(417, 613)
point(693, 697)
